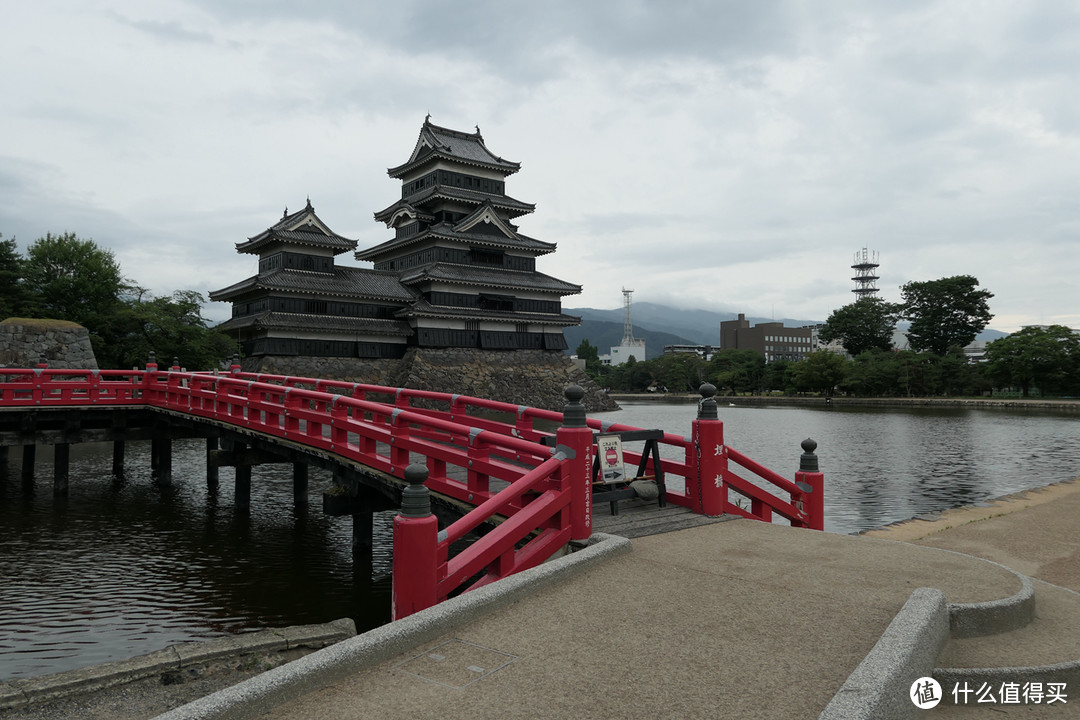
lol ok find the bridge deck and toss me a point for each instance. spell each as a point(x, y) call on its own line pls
point(640, 518)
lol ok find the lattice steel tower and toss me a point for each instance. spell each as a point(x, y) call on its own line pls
point(628, 325)
point(865, 267)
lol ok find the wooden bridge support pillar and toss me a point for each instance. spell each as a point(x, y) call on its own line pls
point(363, 533)
point(161, 459)
point(212, 474)
point(242, 489)
point(300, 488)
point(3, 458)
point(29, 453)
point(61, 464)
point(118, 449)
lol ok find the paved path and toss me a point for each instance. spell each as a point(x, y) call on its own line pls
point(734, 620)
point(737, 619)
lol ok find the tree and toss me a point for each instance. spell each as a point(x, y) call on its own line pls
point(172, 327)
point(1046, 358)
point(820, 371)
point(12, 289)
point(866, 324)
point(590, 354)
point(72, 279)
point(737, 371)
point(945, 313)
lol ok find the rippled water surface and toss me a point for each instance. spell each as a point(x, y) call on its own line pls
point(117, 569)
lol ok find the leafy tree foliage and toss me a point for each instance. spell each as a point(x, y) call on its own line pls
point(72, 279)
point(866, 324)
point(945, 313)
point(1034, 357)
point(66, 278)
point(12, 290)
point(820, 371)
point(590, 354)
point(737, 371)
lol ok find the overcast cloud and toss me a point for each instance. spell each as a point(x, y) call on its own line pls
point(725, 155)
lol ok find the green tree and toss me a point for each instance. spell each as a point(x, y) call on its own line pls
point(72, 279)
point(1046, 358)
point(172, 327)
point(819, 371)
point(945, 313)
point(591, 355)
point(866, 324)
point(13, 299)
point(737, 371)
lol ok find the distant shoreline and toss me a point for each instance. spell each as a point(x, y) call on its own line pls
point(894, 402)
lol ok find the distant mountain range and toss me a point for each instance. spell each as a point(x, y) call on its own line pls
point(660, 325)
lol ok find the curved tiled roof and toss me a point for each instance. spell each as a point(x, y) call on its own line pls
point(299, 228)
point(343, 282)
point(443, 143)
point(422, 308)
point(444, 231)
point(328, 323)
point(514, 208)
point(474, 275)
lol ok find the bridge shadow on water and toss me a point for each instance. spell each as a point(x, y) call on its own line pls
point(122, 566)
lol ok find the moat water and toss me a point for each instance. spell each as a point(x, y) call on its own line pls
point(120, 568)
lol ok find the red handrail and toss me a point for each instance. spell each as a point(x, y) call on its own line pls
point(449, 432)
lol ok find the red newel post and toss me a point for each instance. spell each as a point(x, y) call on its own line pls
point(708, 436)
point(416, 548)
point(575, 439)
point(812, 483)
point(234, 368)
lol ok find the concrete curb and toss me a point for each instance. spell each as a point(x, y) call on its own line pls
point(992, 617)
point(907, 650)
point(262, 693)
point(1063, 672)
point(22, 692)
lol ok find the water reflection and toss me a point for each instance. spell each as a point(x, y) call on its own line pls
point(119, 568)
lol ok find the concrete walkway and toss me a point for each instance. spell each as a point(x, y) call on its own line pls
point(733, 620)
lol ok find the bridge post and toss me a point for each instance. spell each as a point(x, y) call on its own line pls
point(242, 486)
point(300, 484)
point(118, 449)
point(575, 439)
point(161, 458)
point(812, 483)
point(29, 454)
point(61, 463)
point(212, 473)
point(416, 548)
point(708, 485)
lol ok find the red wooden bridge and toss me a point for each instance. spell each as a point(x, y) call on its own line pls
point(525, 473)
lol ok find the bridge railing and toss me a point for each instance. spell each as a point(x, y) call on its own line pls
point(463, 446)
point(59, 387)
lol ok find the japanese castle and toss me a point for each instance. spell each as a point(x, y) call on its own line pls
point(456, 273)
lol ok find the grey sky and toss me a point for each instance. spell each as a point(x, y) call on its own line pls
point(728, 155)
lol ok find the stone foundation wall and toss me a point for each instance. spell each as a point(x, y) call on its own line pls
point(535, 378)
point(24, 342)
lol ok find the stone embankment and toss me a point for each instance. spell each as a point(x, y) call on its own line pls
point(535, 378)
point(62, 344)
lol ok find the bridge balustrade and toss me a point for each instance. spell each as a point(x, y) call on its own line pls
point(546, 499)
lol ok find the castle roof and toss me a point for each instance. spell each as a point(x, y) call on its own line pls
point(343, 282)
point(422, 308)
point(474, 275)
point(439, 143)
point(327, 323)
point(303, 228)
point(510, 207)
point(483, 227)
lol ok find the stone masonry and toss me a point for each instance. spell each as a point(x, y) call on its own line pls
point(534, 378)
point(62, 344)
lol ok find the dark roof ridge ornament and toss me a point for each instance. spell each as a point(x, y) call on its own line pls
point(285, 213)
point(309, 204)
